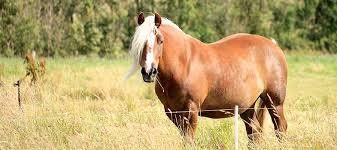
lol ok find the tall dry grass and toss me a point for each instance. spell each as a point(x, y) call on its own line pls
point(83, 103)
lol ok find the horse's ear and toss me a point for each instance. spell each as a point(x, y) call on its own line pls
point(157, 19)
point(141, 18)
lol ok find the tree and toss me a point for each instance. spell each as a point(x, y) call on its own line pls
point(105, 27)
point(325, 25)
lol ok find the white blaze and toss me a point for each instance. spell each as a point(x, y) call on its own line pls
point(150, 56)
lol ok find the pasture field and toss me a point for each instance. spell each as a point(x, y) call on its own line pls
point(83, 103)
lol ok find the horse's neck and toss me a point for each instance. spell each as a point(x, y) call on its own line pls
point(177, 54)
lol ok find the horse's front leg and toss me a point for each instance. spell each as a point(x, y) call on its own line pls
point(185, 120)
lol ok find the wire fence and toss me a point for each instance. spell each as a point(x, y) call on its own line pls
point(225, 110)
point(232, 111)
point(236, 132)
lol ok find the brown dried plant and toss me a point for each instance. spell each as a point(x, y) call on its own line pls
point(2, 70)
point(33, 68)
point(42, 66)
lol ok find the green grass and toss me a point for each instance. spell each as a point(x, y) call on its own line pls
point(83, 103)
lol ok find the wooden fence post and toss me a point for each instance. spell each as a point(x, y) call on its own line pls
point(19, 95)
point(236, 127)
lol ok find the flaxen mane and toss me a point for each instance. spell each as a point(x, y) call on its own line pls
point(140, 38)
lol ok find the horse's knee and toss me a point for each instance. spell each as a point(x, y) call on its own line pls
point(186, 123)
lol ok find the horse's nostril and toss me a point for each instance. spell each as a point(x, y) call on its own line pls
point(143, 71)
point(154, 71)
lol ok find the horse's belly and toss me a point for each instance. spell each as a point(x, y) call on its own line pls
point(222, 107)
point(223, 102)
point(217, 114)
point(225, 98)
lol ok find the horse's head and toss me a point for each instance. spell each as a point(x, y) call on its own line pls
point(152, 50)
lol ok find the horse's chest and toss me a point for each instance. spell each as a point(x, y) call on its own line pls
point(173, 98)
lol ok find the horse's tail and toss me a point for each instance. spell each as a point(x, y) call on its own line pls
point(260, 113)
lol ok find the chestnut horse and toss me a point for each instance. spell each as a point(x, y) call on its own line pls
point(192, 76)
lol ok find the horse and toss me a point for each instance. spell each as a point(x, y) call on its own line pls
point(191, 76)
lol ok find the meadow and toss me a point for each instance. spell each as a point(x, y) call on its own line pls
point(84, 103)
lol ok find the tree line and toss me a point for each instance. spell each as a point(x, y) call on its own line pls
point(105, 27)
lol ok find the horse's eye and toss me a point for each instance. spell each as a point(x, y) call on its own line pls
point(160, 41)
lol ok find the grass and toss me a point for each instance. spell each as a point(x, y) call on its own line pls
point(83, 103)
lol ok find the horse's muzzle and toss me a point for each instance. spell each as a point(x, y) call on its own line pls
point(149, 77)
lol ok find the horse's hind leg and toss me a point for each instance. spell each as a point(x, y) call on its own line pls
point(252, 126)
point(274, 102)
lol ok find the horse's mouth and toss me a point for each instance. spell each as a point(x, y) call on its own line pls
point(148, 79)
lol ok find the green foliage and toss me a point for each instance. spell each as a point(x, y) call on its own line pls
point(326, 25)
point(105, 27)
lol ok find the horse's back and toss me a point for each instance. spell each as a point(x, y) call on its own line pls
point(244, 44)
point(233, 36)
